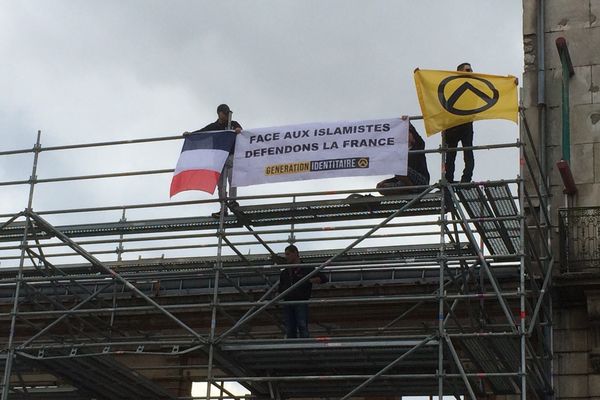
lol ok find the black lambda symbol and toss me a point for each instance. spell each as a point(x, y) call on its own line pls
point(449, 104)
point(363, 163)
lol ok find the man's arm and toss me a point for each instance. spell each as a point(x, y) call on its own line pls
point(209, 127)
point(236, 126)
point(319, 278)
point(283, 281)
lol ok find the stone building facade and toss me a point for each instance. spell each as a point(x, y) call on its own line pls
point(576, 286)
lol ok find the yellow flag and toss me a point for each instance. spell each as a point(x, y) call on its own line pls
point(451, 98)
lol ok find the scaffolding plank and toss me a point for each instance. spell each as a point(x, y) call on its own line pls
point(503, 204)
point(494, 355)
point(400, 253)
point(484, 207)
point(256, 215)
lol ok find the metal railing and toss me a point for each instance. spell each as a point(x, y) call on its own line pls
point(579, 230)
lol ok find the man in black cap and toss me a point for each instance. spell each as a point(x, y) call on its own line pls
point(462, 133)
point(224, 123)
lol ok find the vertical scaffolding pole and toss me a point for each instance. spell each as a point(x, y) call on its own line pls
point(522, 294)
point(119, 259)
point(218, 266)
point(523, 298)
point(215, 300)
point(13, 319)
point(442, 266)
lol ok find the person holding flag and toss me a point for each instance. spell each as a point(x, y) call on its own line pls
point(462, 133)
point(417, 172)
point(207, 158)
point(451, 100)
point(224, 123)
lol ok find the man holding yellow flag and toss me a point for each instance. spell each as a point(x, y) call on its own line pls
point(462, 133)
point(451, 100)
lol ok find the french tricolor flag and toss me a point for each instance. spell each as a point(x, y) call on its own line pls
point(201, 161)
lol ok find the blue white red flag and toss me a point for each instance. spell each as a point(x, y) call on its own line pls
point(201, 161)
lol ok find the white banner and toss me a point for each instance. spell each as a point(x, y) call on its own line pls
point(321, 150)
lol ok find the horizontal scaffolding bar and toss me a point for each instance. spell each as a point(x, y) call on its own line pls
point(242, 304)
point(353, 377)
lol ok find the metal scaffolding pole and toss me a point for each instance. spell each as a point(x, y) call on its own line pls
point(442, 267)
point(11, 336)
point(215, 298)
point(523, 310)
point(460, 368)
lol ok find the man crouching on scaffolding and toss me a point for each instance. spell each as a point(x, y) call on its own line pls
point(417, 174)
point(295, 316)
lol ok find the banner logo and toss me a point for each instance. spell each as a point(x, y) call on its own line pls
point(339, 163)
point(475, 95)
point(317, 166)
point(289, 168)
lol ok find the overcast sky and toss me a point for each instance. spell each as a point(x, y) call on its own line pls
point(89, 71)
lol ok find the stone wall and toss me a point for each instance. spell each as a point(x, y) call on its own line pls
point(578, 21)
point(576, 324)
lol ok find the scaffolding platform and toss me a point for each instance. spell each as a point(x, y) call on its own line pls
point(495, 213)
point(269, 214)
point(358, 357)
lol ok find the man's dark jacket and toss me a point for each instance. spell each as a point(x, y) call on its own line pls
point(418, 162)
point(220, 126)
point(291, 275)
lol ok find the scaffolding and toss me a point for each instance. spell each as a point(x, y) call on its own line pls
point(441, 290)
